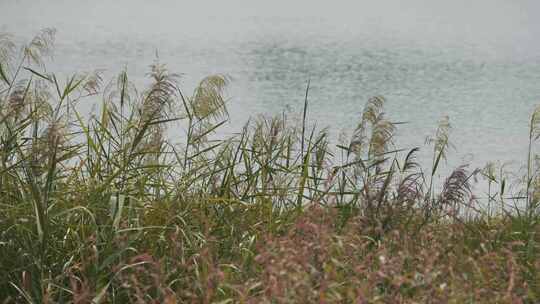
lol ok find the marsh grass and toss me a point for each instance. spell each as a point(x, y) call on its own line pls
point(107, 209)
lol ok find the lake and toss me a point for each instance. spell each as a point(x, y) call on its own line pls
point(478, 63)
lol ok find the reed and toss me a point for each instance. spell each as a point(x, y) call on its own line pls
point(108, 209)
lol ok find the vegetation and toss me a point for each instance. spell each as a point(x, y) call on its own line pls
point(108, 209)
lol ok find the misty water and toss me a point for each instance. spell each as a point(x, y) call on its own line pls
point(477, 63)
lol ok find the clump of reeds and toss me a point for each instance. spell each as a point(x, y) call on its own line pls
point(108, 209)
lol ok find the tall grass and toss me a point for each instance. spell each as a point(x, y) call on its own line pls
point(107, 209)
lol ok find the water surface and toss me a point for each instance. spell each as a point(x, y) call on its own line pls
point(476, 61)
